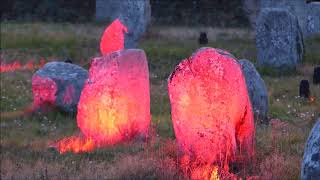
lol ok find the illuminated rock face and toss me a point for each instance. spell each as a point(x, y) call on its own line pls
point(115, 102)
point(59, 85)
point(113, 37)
point(211, 110)
point(135, 14)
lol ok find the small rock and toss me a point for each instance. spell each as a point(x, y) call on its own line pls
point(58, 84)
point(304, 89)
point(68, 61)
point(311, 158)
point(316, 75)
point(203, 39)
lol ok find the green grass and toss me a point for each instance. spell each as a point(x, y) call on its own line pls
point(24, 140)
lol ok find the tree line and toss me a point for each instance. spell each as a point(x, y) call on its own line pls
point(166, 12)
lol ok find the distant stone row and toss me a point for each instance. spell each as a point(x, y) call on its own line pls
point(281, 27)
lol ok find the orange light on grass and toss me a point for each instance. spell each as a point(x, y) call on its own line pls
point(16, 66)
point(75, 144)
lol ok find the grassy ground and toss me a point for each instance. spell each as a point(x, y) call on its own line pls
point(24, 152)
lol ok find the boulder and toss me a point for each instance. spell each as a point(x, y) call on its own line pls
point(307, 13)
point(279, 40)
point(257, 91)
point(58, 84)
point(134, 14)
point(211, 110)
point(311, 159)
point(115, 102)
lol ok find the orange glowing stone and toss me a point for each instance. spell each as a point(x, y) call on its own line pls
point(114, 106)
point(115, 103)
point(211, 110)
point(113, 37)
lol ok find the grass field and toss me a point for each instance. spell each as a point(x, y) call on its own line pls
point(24, 139)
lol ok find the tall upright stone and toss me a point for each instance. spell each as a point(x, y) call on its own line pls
point(134, 14)
point(115, 102)
point(251, 9)
point(308, 14)
point(257, 91)
point(311, 159)
point(279, 39)
point(211, 110)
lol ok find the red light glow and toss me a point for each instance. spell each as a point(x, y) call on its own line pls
point(75, 144)
point(16, 65)
point(44, 92)
point(211, 111)
point(113, 37)
point(69, 95)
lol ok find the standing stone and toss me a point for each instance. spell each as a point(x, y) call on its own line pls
point(316, 75)
point(304, 89)
point(257, 91)
point(134, 14)
point(308, 14)
point(311, 158)
point(203, 39)
point(58, 84)
point(115, 102)
point(279, 39)
point(211, 110)
point(252, 9)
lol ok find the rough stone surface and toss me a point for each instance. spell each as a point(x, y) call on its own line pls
point(311, 158)
point(211, 109)
point(58, 84)
point(113, 37)
point(134, 14)
point(257, 91)
point(279, 39)
point(308, 14)
point(115, 101)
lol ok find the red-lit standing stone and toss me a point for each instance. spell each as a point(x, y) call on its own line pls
point(115, 102)
point(113, 37)
point(211, 110)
